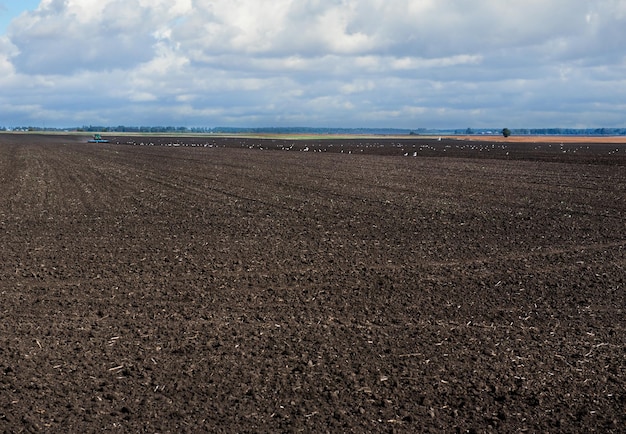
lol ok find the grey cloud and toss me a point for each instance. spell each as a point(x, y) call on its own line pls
point(51, 40)
point(40, 55)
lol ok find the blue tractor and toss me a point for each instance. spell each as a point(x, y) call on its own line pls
point(97, 138)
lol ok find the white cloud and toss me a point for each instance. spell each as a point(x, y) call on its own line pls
point(404, 62)
point(358, 86)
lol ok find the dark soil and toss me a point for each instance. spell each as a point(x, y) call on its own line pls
point(237, 285)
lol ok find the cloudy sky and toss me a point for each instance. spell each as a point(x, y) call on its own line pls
point(323, 63)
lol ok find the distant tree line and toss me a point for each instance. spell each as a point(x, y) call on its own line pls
point(142, 129)
point(346, 131)
point(547, 131)
point(310, 130)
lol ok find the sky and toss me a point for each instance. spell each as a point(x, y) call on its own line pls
point(313, 63)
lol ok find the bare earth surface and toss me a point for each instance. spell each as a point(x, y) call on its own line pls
point(244, 285)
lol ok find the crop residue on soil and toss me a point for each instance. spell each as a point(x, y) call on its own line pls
point(244, 285)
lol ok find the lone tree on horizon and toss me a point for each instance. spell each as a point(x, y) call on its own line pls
point(506, 132)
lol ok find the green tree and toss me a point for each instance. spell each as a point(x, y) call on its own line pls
point(506, 132)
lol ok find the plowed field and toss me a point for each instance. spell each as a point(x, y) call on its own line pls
point(239, 285)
